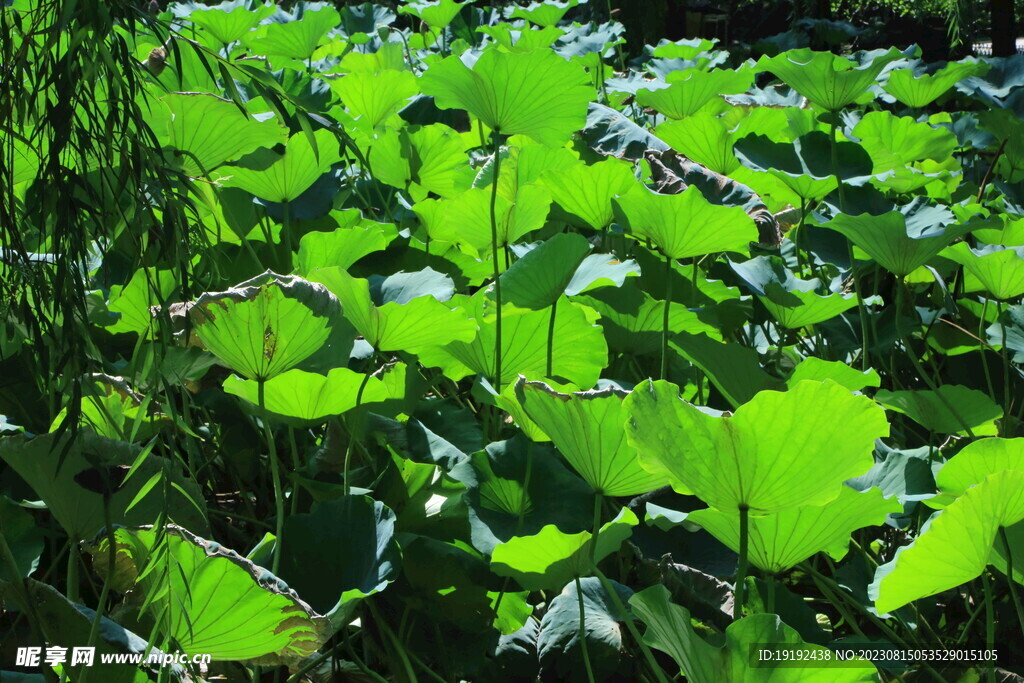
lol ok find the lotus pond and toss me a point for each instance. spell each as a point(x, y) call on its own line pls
point(452, 342)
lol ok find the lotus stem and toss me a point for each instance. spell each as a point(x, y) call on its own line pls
point(1006, 365)
point(74, 557)
point(630, 626)
point(664, 321)
point(496, 147)
point(275, 474)
point(741, 569)
point(583, 632)
point(990, 623)
point(551, 336)
point(1009, 577)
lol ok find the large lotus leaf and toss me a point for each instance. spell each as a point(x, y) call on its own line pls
point(999, 269)
point(768, 456)
point(972, 409)
point(546, 13)
point(540, 277)
point(1004, 76)
point(24, 539)
point(342, 247)
point(686, 224)
point(204, 131)
point(611, 133)
point(537, 93)
point(971, 465)
point(735, 370)
point(587, 428)
point(578, 354)
point(420, 322)
point(306, 396)
point(795, 303)
point(297, 38)
point(601, 270)
point(781, 540)
point(632, 319)
point(804, 165)
point(65, 624)
point(704, 138)
point(341, 551)
point(209, 599)
point(466, 219)
point(425, 158)
point(522, 39)
point(375, 96)
point(80, 509)
point(955, 545)
point(437, 13)
point(670, 629)
point(921, 89)
point(903, 240)
point(818, 370)
point(586, 192)
point(893, 142)
point(502, 504)
point(268, 324)
point(134, 301)
point(283, 178)
point(689, 90)
point(558, 642)
point(229, 21)
point(826, 79)
point(550, 559)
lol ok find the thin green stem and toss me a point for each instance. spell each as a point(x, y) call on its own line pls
point(741, 569)
point(551, 335)
point(584, 650)
point(990, 622)
point(275, 474)
point(496, 147)
point(664, 322)
point(74, 558)
point(1009, 577)
point(630, 626)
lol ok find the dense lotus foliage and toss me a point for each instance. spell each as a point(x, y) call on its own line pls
point(495, 352)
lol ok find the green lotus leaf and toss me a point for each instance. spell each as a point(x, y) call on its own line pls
point(308, 396)
point(57, 475)
point(999, 269)
point(435, 13)
point(826, 79)
point(296, 39)
point(558, 642)
point(781, 540)
point(537, 94)
point(601, 270)
point(795, 303)
point(411, 325)
point(818, 370)
point(578, 355)
point(768, 456)
point(586, 192)
point(689, 90)
point(268, 324)
point(687, 48)
point(23, 537)
point(466, 219)
point(341, 551)
point(204, 131)
point(551, 558)
point(424, 159)
point(524, 162)
point(112, 408)
point(704, 138)
point(540, 277)
point(973, 409)
point(901, 241)
point(804, 165)
point(133, 302)
point(686, 224)
point(971, 465)
point(283, 178)
point(954, 546)
point(210, 599)
point(670, 629)
point(375, 96)
point(921, 89)
point(229, 21)
point(342, 247)
point(735, 370)
point(522, 39)
point(587, 428)
point(893, 142)
point(502, 504)
point(546, 13)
